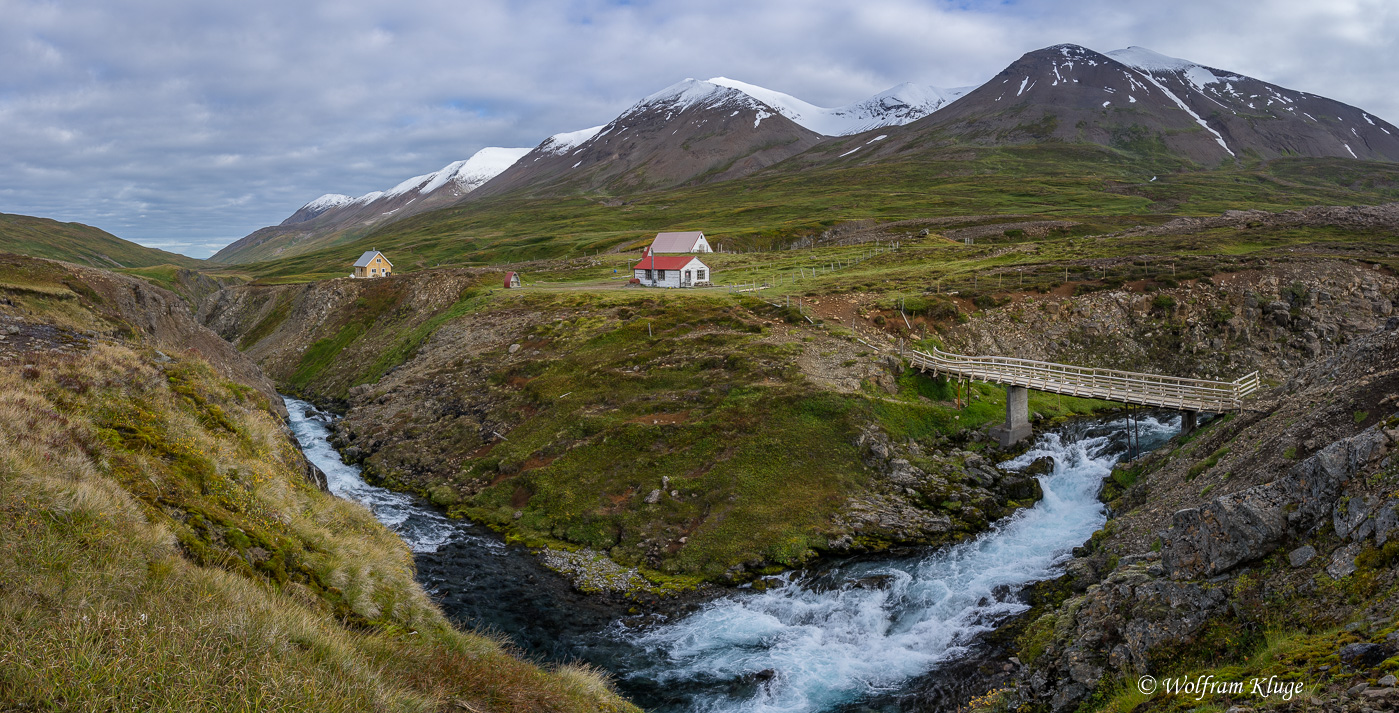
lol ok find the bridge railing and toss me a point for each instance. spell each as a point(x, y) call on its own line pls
point(1110, 384)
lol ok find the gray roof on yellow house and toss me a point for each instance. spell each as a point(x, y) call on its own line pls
point(368, 255)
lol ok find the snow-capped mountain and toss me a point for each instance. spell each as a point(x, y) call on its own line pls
point(707, 130)
point(329, 201)
point(1264, 117)
point(892, 107)
point(460, 177)
point(1141, 101)
point(335, 213)
point(691, 131)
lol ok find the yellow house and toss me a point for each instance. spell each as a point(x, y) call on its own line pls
point(372, 264)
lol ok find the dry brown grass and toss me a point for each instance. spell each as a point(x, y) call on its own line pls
point(110, 599)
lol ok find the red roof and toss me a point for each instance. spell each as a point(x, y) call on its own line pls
point(509, 276)
point(663, 262)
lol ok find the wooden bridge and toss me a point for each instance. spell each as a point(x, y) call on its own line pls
point(1191, 396)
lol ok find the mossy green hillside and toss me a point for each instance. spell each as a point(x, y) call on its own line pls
point(82, 244)
point(775, 207)
point(379, 330)
point(166, 550)
point(674, 431)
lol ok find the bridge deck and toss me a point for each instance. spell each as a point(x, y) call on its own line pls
point(1109, 384)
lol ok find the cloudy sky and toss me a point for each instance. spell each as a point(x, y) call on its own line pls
point(186, 125)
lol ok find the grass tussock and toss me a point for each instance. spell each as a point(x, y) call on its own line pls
point(163, 551)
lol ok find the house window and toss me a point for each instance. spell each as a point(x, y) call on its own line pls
point(699, 275)
point(660, 276)
point(649, 275)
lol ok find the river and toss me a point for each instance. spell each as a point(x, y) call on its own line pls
point(825, 641)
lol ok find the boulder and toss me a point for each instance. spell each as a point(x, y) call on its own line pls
point(1044, 465)
point(1351, 517)
point(1019, 487)
point(1363, 655)
point(1386, 522)
point(1234, 528)
point(980, 477)
point(316, 476)
point(1343, 561)
point(1301, 556)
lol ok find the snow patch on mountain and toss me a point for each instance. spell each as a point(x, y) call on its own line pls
point(893, 107)
point(560, 144)
point(326, 202)
point(466, 175)
point(1199, 76)
point(1219, 138)
point(481, 167)
point(692, 93)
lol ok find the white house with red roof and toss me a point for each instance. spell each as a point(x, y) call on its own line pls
point(670, 271)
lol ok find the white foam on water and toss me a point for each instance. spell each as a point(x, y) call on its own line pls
point(423, 528)
point(834, 644)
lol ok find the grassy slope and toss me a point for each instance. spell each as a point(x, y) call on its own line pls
point(164, 551)
point(772, 207)
point(577, 467)
point(616, 390)
point(83, 244)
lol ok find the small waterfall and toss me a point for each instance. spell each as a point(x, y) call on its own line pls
point(819, 643)
point(422, 527)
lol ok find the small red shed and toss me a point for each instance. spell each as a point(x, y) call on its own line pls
point(512, 279)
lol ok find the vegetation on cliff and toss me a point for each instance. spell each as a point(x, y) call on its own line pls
point(166, 549)
point(681, 433)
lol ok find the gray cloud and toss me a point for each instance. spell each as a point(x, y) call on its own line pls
point(187, 125)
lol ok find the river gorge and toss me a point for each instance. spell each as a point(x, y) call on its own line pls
point(861, 631)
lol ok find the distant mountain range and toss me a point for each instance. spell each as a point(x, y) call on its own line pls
point(1133, 100)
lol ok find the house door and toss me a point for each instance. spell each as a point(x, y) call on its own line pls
point(687, 281)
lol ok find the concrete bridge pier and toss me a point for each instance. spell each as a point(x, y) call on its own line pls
point(1189, 421)
point(1017, 425)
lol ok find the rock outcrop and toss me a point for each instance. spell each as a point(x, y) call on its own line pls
point(1272, 319)
point(1307, 497)
point(927, 497)
point(1244, 526)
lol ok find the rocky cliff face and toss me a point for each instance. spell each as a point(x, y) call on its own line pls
point(111, 306)
point(1273, 318)
point(1283, 517)
point(355, 321)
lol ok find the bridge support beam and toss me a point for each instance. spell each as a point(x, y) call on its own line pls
point(1017, 425)
point(1189, 421)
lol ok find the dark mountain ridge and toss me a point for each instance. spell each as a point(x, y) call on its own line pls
point(693, 131)
point(1140, 102)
